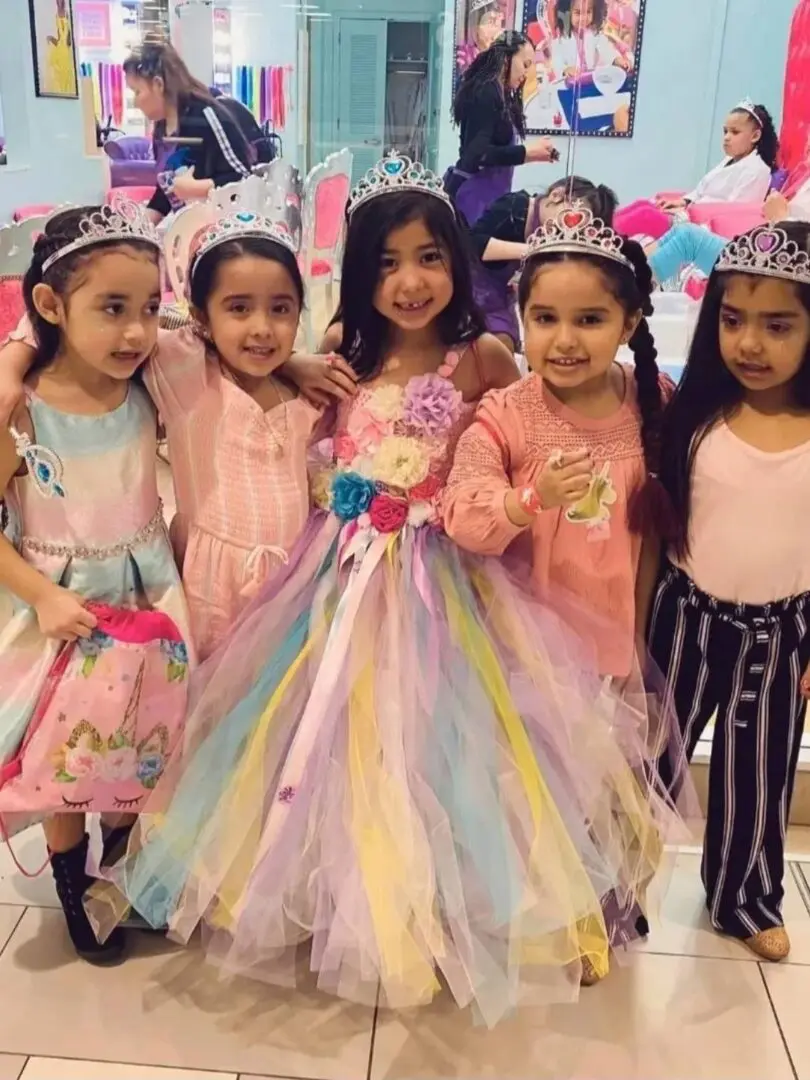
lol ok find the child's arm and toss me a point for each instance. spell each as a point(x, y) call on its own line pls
point(59, 612)
point(325, 377)
point(497, 365)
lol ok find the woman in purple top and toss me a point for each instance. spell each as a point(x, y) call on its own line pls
point(488, 109)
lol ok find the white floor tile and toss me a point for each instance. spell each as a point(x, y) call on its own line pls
point(71, 1069)
point(11, 1066)
point(16, 888)
point(789, 987)
point(9, 920)
point(164, 1007)
point(660, 1018)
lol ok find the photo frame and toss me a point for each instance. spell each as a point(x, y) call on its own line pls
point(584, 83)
point(53, 45)
point(477, 24)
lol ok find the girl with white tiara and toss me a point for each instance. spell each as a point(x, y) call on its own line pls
point(567, 459)
point(729, 618)
point(392, 762)
point(78, 472)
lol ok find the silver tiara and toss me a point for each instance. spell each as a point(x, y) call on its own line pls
point(748, 106)
point(576, 230)
point(122, 220)
point(767, 252)
point(476, 5)
point(396, 173)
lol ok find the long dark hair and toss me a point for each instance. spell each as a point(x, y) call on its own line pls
point(205, 271)
point(492, 67)
point(601, 200)
point(564, 16)
point(61, 230)
point(708, 391)
point(364, 328)
point(768, 145)
point(648, 509)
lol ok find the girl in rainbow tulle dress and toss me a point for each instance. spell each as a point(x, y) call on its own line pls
point(93, 627)
point(399, 756)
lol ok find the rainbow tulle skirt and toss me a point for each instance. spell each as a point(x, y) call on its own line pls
point(404, 760)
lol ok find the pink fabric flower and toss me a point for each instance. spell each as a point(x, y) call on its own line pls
point(432, 404)
point(345, 448)
point(426, 491)
point(366, 431)
point(387, 513)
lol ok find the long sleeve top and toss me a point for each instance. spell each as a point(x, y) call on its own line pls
point(744, 181)
point(487, 133)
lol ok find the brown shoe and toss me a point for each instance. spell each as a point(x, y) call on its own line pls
point(589, 975)
point(773, 944)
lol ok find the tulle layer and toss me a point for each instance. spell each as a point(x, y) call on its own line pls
point(400, 756)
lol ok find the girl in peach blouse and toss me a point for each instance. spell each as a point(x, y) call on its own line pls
point(568, 456)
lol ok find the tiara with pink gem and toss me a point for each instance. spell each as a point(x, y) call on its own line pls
point(766, 251)
point(748, 106)
point(122, 220)
point(394, 174)
point(576, 231)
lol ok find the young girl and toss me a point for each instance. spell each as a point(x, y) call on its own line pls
point(729, 619)
point(750, 146)
point(237, 431)
point(568, 456)
point(78, 469)
point(394, 767)
point(581, 43)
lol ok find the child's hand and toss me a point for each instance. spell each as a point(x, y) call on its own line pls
point(11, 394)
point(62, 615)
point(804, 686)
point(322, 379)
point(565, 479)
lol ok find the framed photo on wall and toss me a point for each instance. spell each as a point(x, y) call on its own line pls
point(585, 78)
point(478, 23)
point(54, 48)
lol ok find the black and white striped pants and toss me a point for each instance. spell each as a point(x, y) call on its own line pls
point(745, 663)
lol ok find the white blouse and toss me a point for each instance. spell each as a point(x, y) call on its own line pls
point(800, 203)
point(746, 181)
point(599, 52)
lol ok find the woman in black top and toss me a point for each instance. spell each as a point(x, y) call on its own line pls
point(500, 236)
point(488, 109)
point(167, 93)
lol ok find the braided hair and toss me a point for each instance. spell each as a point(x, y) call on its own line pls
point(61, 230)
point(649, 510)
point(492, 66)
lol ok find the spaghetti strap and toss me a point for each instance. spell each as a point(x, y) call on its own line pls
point(454, 358)
point(451, 362)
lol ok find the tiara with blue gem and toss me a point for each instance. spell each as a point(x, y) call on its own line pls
point(394, 174)
point(122, 221)
point(748, 106)
point(576, 231)
point(240, 226)
point(767, 252)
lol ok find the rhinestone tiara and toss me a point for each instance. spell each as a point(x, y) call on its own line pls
point(576, 230)
point(767, 252)
point(239, 226)
point(121, 220)
point(396, 173)
point(476, 5)
point(748, 106)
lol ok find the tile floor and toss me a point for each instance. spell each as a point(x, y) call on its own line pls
point(686, 1006)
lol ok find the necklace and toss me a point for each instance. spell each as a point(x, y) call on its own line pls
point(278, 444)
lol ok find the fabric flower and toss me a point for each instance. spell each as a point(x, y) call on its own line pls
point(351, 495)
point(426, 491)
point(421, 513)
point(345, 448)
point(321, 488)
point(322, 453)
point(388, 514)
point(366, 430)
point(401, 462)
point(432, 404)
point(385, 403)
point(119, 764)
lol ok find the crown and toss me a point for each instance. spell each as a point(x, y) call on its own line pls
point(768, 252)
point(265, 207)
point(748, 106)
point(575, 229)
point(476, 5)
point(122, 220)
point(396, 173)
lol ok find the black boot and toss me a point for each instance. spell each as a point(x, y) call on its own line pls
point(72, 882)
point(114, 843)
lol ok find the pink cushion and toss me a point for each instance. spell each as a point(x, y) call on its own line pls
point(12, 305)
point(136, 194)
point(727, 219)
point(22, 213)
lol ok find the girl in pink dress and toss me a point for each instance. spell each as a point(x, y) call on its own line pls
point(394, 771)
point(568, 457)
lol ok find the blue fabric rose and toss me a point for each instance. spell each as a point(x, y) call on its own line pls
point(351, 495)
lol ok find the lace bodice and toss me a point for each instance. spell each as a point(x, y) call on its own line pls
point(388, 463)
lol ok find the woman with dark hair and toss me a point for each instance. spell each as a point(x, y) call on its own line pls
point(197, 140)
point(500, 240)
point(488, 109)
